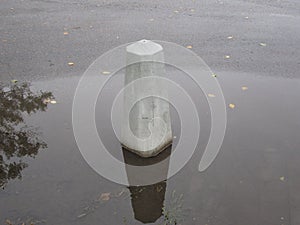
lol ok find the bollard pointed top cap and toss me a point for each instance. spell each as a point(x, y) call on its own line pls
point(144, 47)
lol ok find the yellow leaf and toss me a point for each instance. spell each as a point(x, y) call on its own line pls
point(105, 72)
point(211, 95)
point(105, 196)
point(244, 88)
point(214, 75)
point(189, 47)
point(231, 105)
point(14, 81)
point(70, 63)
point(66, 33)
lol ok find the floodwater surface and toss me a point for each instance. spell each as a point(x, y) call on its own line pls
point(255, 178)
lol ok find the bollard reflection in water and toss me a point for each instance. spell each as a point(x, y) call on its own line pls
point(147, 201)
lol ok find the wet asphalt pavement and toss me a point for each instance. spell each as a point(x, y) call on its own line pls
point(33, 44)
point(255, 178)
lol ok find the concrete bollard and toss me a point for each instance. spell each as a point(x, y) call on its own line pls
point(146, 128)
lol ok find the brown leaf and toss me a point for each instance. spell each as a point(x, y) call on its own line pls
point(105, 196)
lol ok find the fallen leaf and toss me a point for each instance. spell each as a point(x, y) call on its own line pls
point(263, 44)
point(105, 196)
point(211, 95)
point(214, 75)
point(189, 47)
point(120, 193)
point(231, 105)
point(230, 37)
point(227, 56)
point(8, 222)
point(105, 72)
point(14, 81)
point(66, 33)
point(282, 178)
point(81, 215)
point(70, 63)
point(244, 88)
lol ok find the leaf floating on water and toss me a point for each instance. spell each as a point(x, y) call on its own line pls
point(81, 215)
point(105, 72)
point(244, 88)
point(232, 106)
point(70, 63)
point(105, 196)
point(282, 178)
point(211, 95)
point(14, 81)
point(263, 44)
point(189, 47)
point(8, 222)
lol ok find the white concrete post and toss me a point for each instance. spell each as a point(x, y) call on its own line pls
point(146, 128)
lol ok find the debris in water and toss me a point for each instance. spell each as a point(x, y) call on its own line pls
point(105, 196)
point(263, 44)
point(232, 106)
point(105, 72)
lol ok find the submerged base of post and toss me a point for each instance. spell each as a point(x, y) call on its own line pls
point(150, 153)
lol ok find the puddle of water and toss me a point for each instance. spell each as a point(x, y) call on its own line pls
point(254, 180)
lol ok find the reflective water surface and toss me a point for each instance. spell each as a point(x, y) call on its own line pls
point(254, 180)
